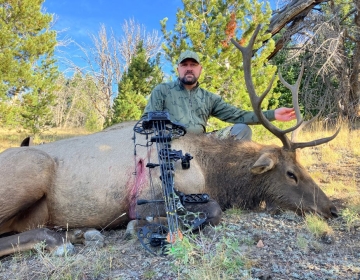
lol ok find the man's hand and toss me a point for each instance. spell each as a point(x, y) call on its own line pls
point(284, 114)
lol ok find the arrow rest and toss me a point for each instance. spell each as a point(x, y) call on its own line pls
point(159, 130)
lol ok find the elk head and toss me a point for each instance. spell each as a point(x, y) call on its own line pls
point(306, 192)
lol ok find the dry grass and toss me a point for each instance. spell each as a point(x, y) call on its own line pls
point(12, 138)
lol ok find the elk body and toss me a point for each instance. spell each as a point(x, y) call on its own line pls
point(89, 181)
point(94, 181)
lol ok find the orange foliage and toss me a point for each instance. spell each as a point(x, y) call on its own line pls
point(242, 42)
point(231, 26)
point(230, 30)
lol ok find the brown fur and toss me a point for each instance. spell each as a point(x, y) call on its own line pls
point(234, 181)
point(89, 181)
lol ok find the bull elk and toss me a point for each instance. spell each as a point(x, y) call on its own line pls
point(89, 181)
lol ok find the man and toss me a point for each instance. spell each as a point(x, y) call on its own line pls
point(192, 106)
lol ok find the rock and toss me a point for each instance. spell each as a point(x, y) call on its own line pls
point(64, 250)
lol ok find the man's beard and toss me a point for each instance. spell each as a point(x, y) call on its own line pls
point(187, 81)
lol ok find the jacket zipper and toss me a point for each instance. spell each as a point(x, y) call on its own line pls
point(190, 104)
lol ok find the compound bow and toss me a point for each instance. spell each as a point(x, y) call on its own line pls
point(155, 236)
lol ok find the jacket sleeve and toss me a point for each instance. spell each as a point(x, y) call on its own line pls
point(229, 113)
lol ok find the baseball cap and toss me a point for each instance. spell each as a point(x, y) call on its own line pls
point(188, 54)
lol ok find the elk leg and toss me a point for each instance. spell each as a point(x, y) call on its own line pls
point(27, 240)
point(26, 174)
point(57, 242)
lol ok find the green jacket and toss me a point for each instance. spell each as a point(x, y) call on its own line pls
point(192, 108)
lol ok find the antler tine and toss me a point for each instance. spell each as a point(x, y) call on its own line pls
point(316, 142)
point(300, 123)
point(294, 92)
point(254, 98)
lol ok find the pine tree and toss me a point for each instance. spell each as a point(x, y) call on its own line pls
point(27, 67)
point(206, 28)
point(135, 85)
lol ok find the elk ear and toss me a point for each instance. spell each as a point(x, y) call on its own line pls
point(265, 163)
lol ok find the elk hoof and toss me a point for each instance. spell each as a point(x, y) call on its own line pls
point(66, 249)
point(93, 238)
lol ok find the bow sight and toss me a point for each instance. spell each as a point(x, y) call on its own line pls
point(155, 236)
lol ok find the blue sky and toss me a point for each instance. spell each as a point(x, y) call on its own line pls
point(77, 19)
point(82, 17)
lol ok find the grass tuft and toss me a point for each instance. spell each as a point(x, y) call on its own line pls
point(317, 226)
point(200, 257)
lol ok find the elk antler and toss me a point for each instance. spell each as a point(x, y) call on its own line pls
point(257, 100)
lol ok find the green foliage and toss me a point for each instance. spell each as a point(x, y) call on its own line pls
point(27, 68)
point(135, 85)
point(206, 27)
point(199, 257)
point(92, 121)
point(351, 217)
point(9, 114)
point(37, 113)
point(185, 251)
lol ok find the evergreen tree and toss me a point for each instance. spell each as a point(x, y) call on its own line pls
point(206, 28)
point(27, 67)
point(136, 84)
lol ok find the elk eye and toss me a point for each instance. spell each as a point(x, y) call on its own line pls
point(291, 176)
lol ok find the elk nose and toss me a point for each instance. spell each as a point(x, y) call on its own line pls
point(334, 211)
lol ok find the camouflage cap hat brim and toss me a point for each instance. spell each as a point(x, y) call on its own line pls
point(188, 54)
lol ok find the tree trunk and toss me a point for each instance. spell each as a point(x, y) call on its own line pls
point(287, 18)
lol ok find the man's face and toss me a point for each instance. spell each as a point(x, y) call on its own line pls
point(189, 71)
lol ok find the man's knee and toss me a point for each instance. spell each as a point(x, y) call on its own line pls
point(241, 131)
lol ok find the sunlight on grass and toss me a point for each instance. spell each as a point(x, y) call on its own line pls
point(13, 138)
point(351, 216)
point(330, 153)
point(354, 143)
point(340, 189)
point(317, 226)
point(308, 157)
point(320, 177)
